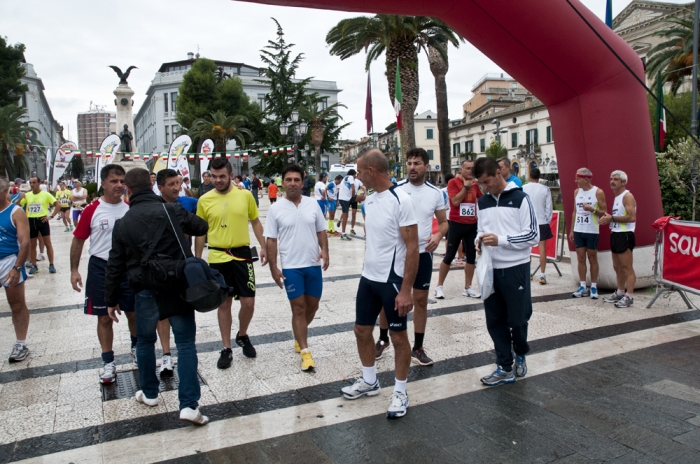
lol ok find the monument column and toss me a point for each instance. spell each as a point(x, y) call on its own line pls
point(124, 103)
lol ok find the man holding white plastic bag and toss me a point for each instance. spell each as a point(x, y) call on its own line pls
point(508, 225)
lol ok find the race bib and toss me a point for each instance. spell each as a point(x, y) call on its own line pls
point(467, 209)
point(34, 208)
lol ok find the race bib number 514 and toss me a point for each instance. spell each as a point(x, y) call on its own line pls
point(467, 209)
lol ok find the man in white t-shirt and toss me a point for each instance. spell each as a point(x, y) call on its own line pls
point(428, 203)
point(295, 226)
point(541, 198)
point(357, 198)
point(320, 193)
point(346, 193)
point(391, 262)
point(78, 196)
point(97, 224)
point(332, 197)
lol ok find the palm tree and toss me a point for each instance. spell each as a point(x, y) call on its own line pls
point(496, 150)
point(14, 132)
point(313, 112)
point(399, 38)
point(673, 57)
point(221, 128)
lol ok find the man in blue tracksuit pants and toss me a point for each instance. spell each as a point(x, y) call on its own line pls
point(507, 223)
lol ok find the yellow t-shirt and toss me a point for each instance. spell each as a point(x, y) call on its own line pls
point(63, 197)
point(227, 216)
point(37, 204)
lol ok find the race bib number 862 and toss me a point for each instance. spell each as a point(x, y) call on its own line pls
point(467, 209)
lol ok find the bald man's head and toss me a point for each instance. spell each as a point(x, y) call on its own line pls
point(375, 159)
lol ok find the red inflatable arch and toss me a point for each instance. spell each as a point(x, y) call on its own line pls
point(598, 111)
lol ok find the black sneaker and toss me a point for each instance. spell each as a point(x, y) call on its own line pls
point(418, 356)
point(248, 348)
point(381, 346)
point(225, 359)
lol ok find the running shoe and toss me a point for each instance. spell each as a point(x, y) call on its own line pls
point(398, 404)
point(52, 270)
point(520, 366)
point(40, 257)
point(614, 298)
point(471, 292)
point(419, 357)
point(625, 302)
point(194, 416)
point(28, 263)
point(166, 366)
point(19, 353)
point(307, 361)
point(33, 270)
point(360, 388)
point(439, 293)
point(225, 359)
point(71, 228)
point(344, 237)
point(133, 356)
point(244, 342)
point(297, 348)
point(594, 293)
point(337, 223)
point(380, 347)
point(109, 373)
point(66, 229)
point(141, 398)
point(543, 280)
point(582, 291)
point(498, 377)
point(352, 232)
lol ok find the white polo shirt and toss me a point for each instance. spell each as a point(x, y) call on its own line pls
point(295, 229)
point(385, 252)
point(426, 200)
point(319, 188)
point(345, 191)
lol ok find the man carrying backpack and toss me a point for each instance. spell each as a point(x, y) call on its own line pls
point(149, 233)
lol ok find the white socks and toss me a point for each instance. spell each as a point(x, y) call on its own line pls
point(583, 284)
point(594, 285)
point(21, 342)
point(369, 374)
point(400, 386)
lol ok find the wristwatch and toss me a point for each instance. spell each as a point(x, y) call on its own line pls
point(467, 186)
point(17, 268)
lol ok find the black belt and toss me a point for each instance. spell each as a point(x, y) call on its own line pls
point(243, 252)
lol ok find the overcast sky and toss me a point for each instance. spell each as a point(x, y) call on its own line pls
point(71, 43)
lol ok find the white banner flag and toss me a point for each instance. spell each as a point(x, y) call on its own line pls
point(108, 150)
point(63, 157)
point(207, 150)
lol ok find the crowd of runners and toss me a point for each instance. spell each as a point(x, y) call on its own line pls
point(142, 214)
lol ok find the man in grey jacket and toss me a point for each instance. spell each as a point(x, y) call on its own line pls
point(508, 225)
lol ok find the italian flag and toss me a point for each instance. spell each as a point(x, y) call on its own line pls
point(398, 97)
point(660, 114)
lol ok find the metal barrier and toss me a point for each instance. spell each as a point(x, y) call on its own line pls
point(558, 250)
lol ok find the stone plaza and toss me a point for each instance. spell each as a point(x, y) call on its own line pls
point(604, 384)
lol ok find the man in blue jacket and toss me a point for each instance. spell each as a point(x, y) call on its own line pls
point(507, 224)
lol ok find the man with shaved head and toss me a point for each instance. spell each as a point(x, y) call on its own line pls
point(391, 263)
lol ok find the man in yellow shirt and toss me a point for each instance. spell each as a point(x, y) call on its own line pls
point(227, 210)
point(63, 197)
point(37, 203)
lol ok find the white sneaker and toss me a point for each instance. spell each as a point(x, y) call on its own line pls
point(166, 366)
point(360, 388)
point(194, 416)
point(398, 404)
point(471, 292)
point(439, 293)
point(109, 373)
point(40, 257)
point(141, 398)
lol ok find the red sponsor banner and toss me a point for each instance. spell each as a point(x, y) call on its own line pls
point(552, 242)
point(680, 259)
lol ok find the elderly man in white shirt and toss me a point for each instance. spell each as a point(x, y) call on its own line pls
point(541, 199)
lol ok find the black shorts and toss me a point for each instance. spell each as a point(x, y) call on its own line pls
point(353, 202)
point(345, 205)
point(425, 271)
point(95, 303)
point(65, 208)
point(586, 240)
point(37, 226)
point(371, 298)
point(240, 275)
point(272, 200)
point(545, 232)
point(621, 242)
point(461, 233)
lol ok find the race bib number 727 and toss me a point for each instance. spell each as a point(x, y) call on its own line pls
point(34, 208)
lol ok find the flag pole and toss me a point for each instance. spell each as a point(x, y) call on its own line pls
point(694, 116)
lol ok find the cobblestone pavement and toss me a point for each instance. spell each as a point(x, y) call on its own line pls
point(604, 383)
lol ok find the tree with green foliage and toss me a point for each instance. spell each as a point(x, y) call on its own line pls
point(398, 38)
point(681, 106)
point(14, 133)
point(496, 150)
point(77, 167)
point(11, 73)
point(286, 94)
point(318, 116)
point(221, 128)
point(678, 192)
point(674, 56)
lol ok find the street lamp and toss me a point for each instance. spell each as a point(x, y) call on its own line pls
point(299, 130)
point(498, 131)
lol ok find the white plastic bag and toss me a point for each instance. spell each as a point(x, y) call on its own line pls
point(484, 272)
